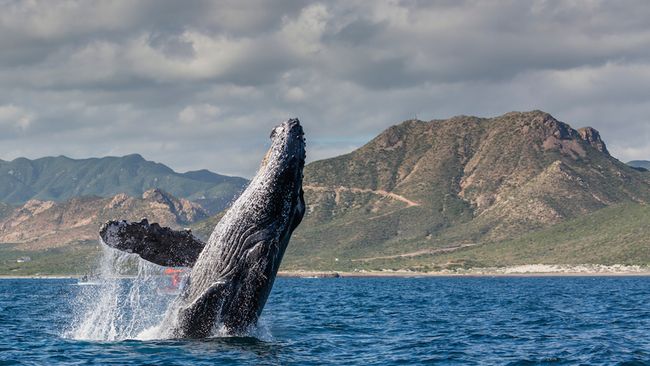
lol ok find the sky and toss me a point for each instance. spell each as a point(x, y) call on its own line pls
point(200, 84)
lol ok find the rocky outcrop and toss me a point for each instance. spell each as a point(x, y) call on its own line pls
point(185, 210)
point(592, 137)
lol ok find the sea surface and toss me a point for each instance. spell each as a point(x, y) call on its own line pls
point(366, 321)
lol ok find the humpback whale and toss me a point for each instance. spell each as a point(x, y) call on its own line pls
point(233, 273)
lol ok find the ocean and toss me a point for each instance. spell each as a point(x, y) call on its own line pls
point(361, 321)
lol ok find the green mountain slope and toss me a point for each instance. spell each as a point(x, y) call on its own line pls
point(423, 187)
point(644, 164)
point(618, 234)
point(615, 234)
point(60, 178)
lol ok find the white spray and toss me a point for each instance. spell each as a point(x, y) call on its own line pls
point(120, 306)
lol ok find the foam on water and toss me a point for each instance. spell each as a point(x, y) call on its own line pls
point(121, 306)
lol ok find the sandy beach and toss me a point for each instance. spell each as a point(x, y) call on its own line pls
point(512, 271)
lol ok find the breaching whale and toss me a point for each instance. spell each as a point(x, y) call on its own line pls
point(233, 273)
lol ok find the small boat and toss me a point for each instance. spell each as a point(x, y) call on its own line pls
point(88, 281)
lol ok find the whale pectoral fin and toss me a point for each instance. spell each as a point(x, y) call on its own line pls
point(156, 244)
point(197, 320)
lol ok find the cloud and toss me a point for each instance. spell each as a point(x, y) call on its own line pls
point(199, 84)
point(198, 113)
point(303, 33)
point(15, 118)
point(295, 94)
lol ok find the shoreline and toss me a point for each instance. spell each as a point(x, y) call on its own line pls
point(530, 270)
point(378, 274)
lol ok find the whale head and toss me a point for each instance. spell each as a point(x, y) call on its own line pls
point(273, 204)
point(280, 174)
point(285, 163)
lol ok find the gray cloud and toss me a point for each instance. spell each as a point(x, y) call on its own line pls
point(199, 84)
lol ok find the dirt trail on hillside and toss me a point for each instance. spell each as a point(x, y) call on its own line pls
point(380, 192)
point(416, 253)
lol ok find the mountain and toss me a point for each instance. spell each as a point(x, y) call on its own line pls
point(522, 188)
point(61, 178)
point(421, 189)
point(643, 164)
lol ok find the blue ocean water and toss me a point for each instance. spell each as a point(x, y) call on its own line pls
point(368, 321)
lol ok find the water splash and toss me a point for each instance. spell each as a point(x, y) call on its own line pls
point(126, 302)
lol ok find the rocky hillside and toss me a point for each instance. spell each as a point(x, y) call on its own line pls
point(439, 186)
point(61, 178)
point(39, 225)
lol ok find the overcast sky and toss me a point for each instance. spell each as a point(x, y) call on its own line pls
point(200, 84)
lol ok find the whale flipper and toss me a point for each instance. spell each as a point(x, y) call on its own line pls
point(156, 244)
